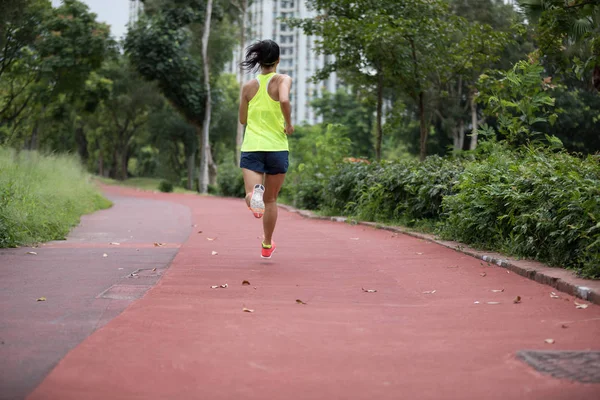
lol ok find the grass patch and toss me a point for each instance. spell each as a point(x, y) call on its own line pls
point(42, 197)
point(142, 184)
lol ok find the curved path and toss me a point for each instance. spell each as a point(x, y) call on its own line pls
point(185, 340)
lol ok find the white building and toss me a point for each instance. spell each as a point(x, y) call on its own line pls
point(297, 52)
point(135, 9)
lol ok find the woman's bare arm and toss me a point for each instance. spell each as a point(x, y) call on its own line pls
point(284, 102)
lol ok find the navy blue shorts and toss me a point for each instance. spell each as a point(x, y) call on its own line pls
point(265, 162)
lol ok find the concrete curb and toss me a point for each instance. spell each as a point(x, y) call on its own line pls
point(559, 279)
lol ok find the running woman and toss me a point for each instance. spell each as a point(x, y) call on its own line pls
point(266, 111)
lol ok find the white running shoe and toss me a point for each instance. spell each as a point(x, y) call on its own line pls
point(257, 205)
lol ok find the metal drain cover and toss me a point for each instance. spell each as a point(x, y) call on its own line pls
point(579, 366)
point(124, 292)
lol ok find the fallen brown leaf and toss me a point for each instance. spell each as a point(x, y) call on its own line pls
point(429, 292)
point(564, 326)
point(484, 274)
point(247, 310)
point(517, 300)
point(245, 283)
point(214, 253)
point(369, 290)
point(224, 286)
point(153, 269)
point(41, 299)
point(497, 290)
point(33, 253)
point(211, 239)
point(549, 341)
point(214, 287)
point(554, 295)
point(300, 301)
point(581, 305)
point(156, 244)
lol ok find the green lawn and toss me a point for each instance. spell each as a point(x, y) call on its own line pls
point(141, 183)
point(43, 196)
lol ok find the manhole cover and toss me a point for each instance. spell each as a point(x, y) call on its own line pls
point(124, 292)
point(580, 366)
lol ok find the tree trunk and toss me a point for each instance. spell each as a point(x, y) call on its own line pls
point(379, 114)
point(124, 162)
point(101, 163)
point(240, 128)
point(81, 141)
point(474, 122)
point(190, 170)
point(461, 135)
point(212, 168)
point(423, 126)
point(205, 146)
point(33, 140)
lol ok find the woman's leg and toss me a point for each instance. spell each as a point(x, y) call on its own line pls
point(273, 185)
point(251, 178)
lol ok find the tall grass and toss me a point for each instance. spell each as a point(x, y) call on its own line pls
point(42, 196)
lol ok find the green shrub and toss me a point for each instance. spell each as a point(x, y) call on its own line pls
point(165, 186)
point(531, 203)
point(230, 180)
point(42, 197)
point(316, 153)
point(405, 191)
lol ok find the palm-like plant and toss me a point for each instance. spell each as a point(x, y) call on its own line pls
point(567, 24)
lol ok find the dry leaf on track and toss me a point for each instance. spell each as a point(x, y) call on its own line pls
point(484, 274)
point(517, 300)
point(497, 290)
point(210, 239)
point(554, 295)
point(214, 253)
point(41, 299)
point(247, 310)
point(300, 301)
point(369, 290)
point(429, 292)
point(153, 269)
point(223, 286)
point(157, 244)
point(33, 253)
point(549, 341)
point(245, 283)
point(581, 305)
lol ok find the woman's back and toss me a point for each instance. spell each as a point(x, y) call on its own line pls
point(265, 130)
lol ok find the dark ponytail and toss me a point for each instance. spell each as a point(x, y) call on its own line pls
point(264, 53)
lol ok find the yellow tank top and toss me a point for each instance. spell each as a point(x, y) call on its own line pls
point(264, 129)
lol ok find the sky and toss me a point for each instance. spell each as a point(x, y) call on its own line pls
point(113, 12)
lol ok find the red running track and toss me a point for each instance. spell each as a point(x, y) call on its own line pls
point(185, 340)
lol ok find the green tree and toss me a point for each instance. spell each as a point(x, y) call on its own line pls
point(569, 35)
point(166, 46)
point(354, 112)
